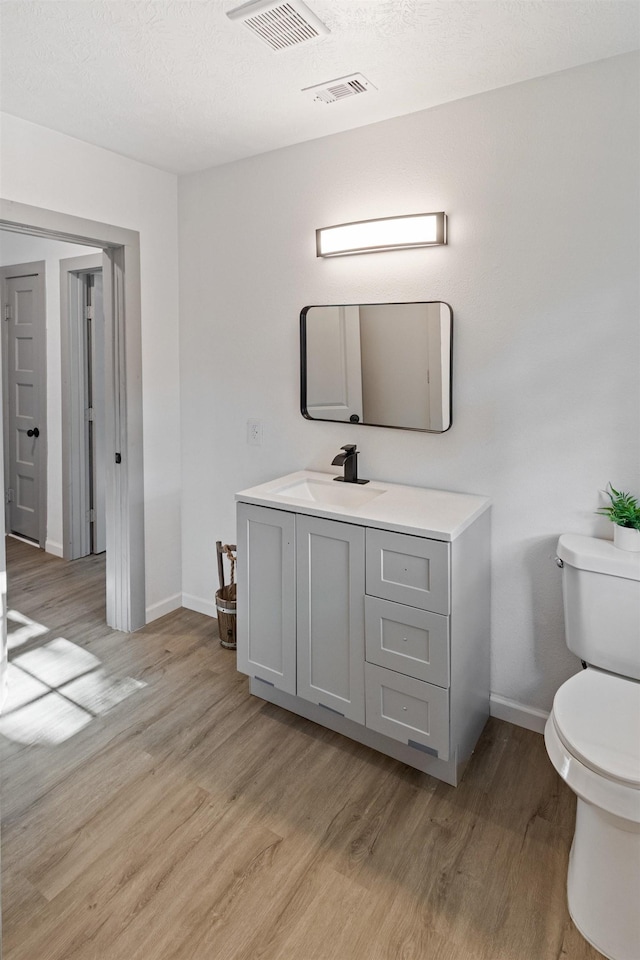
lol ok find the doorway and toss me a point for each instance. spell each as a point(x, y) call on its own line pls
point(124, 492)
point(24, 399)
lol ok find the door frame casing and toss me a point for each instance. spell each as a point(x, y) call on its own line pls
point(124, 507)
point(34, 268)
point(75, 455)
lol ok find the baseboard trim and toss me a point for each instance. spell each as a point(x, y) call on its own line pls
point(208, 607)
point(55, 549)
point(163, 607)
point(531, 718)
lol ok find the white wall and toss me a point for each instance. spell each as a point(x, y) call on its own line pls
point(50, 170)
point(540, 181)
point(19, 248)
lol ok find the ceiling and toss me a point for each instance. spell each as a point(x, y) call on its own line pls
point(180, 86)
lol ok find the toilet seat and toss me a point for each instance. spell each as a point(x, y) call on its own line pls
point(610, 781)
point(597, 717)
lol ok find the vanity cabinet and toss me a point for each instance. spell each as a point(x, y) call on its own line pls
point(379, 634)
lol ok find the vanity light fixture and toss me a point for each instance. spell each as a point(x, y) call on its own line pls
point(389, 233)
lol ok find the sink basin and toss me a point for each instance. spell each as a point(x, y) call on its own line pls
point(329, 492)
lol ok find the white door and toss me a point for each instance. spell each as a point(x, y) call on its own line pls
point(84, 461)
point(24, 346)
point(96, 408)
point(334, 368)
point(331, 615)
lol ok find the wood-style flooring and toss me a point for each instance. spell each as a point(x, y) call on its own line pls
point(153, 810)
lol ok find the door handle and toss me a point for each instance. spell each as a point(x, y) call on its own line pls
point(33, 433)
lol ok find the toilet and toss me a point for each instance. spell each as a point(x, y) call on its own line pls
point(592, 737)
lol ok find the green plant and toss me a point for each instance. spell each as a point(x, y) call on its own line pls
point(623, 509)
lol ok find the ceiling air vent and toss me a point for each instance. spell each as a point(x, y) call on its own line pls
point(339, 89)
point(279, 24)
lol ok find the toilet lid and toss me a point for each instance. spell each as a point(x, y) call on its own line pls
point(597, 715)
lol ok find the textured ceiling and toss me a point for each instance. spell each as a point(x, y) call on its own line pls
point(180, 86)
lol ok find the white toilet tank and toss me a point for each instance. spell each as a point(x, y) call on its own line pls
point(601, 589)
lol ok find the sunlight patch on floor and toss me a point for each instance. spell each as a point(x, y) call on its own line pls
point(57, 662)
point(55, 689)
point(47, 721)
point(22, 688)
point(21, 629)
point(98, 692)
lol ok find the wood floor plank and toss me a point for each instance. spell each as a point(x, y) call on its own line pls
point(88, 917)
point(188, 820)
point(318, 921)
point(93, 787)
point(20, 899)
point(95, 833)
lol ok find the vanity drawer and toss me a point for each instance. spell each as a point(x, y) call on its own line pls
point(408, 710)
point(409, 570)
point(411, 641)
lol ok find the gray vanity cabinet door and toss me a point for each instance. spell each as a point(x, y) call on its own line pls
point(330, 561)
point(266, 604)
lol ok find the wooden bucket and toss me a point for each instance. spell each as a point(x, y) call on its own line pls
point(226, 597)
point(226, 608)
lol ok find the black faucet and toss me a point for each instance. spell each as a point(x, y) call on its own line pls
point(350, 461)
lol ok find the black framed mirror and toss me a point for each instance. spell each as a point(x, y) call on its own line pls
point(378, 364)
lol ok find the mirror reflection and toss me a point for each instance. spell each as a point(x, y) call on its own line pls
point(379, 364)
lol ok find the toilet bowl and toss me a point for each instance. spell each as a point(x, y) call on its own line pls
point(592, 737)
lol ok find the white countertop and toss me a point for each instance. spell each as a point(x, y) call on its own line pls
point(437, 514)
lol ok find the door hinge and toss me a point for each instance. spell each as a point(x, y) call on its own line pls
point(7, 311)
point(91, 516)
point(88, 414)
point(8, 495)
